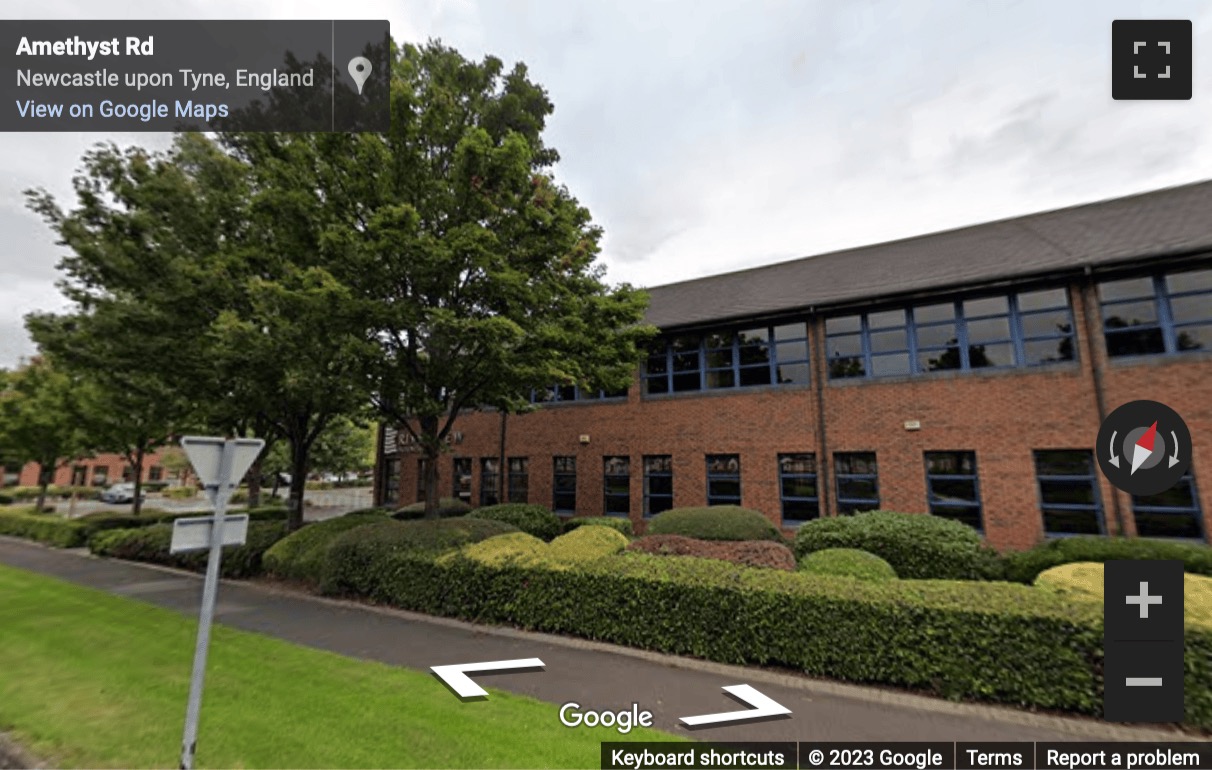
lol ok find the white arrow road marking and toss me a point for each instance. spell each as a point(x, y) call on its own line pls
point(763, 706)
point(1114, 457)
point(455, 675)
point(1173, 459)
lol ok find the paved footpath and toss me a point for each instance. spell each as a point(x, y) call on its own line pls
point(595, 675)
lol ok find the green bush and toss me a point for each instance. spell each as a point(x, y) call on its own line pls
point(447, 507)
point(614, 522)
point(262, 513)
point(510, 548)
point(22, 494)
point(917, 545)
point(1024, 566)
point(1084, 581)
point(531, 519)
point(847, 562)
point(102, 521)
point(716, 522)
point(354, 560)
point(586, 544)
point(51, 530)
point(300, 555)
point(151, 544)
point(961, 639)
point(180, 493)
point(6, 500)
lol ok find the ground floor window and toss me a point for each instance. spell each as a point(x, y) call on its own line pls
point(391, 481)
point(1173, 513)
point(658, 484)
point(1068, 492)
point(100, 475)
point(462, 479)
point(128, 473)
point(858, 482)
point(490, 474)
point(616, 474)
point(519, 479)
point(797, 487)
point(564, 484)
point(155, 473)
point(723, 479)
point(952, 487)
point(79, 476)
point(12, 475)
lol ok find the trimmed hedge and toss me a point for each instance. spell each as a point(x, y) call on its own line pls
point(532, 519)
point(448, 507)
point(586, 544)
point(989, 641)
point(847, 562)
point(1025, 566)
point(45, 528)
point(754, 553)
point(917, 545)
point(511, 548)
point(31, 493)
point(180, 493)
point(300, 555)
point(715, 522)
point(101, 521)
point(354, 557)
point(151, 544)
point(614, 522)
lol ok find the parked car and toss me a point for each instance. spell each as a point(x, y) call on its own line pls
point(121, 493)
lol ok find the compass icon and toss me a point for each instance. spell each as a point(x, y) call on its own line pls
point(1144, 447)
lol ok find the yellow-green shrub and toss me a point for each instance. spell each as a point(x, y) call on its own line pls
point(586, 544)
point(1084, 581)
point(515, 548)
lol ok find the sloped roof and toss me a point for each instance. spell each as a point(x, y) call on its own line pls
point(1170, 221)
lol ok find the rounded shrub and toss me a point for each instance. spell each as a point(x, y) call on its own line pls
point(1024, 566)
point(586, 544)
point(151, 544)
point(752, 553)
point(532, 519)
point(447, 507)
point(917, 545)
point(847, 562)
point(716, 522)
point(1083, 581)
point(354, 562)
point(517, 548)
point(300, 555)
point(614, 522)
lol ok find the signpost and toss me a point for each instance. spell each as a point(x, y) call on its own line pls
point(220, 465)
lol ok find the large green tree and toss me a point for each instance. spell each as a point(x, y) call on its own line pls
point(39, 420)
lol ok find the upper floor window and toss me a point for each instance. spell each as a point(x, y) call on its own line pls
point(561, 393)
point(1022, 329)
point(768, 355)
point(1158, 314)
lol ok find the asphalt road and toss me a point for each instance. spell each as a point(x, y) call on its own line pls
point(596, 676)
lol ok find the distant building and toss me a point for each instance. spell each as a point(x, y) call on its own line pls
point(963, 374)
point(99, 471)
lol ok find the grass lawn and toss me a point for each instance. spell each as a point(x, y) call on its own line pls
point(88, 679)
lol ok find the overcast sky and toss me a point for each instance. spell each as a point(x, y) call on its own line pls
point(711, 136)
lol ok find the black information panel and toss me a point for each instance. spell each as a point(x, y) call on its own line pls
point(195, 75)
point(1143, 641)
point(909, 756)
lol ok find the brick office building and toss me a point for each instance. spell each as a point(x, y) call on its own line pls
point(962, 373)
point(99, 471)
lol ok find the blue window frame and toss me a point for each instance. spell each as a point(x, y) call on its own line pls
point(616, 475)
point(733, 358)
point(565, 393)
point(490, 476)
point(1024, 329)
point(519, 480)
point(658, 484)
point(858, 482)
point(952, 487)
point(1157, 315)
point(564, 484)
point(797, 488)
point(723, 479)
point(1173, 513)
point(1069, 501)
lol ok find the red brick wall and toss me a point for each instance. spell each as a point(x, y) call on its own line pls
point(114, 465)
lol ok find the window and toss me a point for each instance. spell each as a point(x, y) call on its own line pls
point(1068, 492)
point(79, 475)
point(729, 359)
point(490, 478)
point(128, 473)
point(100, 476)
point(12, 475)
point(462, 479)
point(797, 488)
point(858, 483)
point(616, 472)
point(1173, 513)
point(952, 488)
point(564, 484)
point(1024, 329)
point(1158, 314)
point(155, 473)
point(519, 480)
point(723, 479)
point(391, 481)
point(658, 484)
point(564, 393)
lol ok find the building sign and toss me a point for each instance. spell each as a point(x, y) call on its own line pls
point(395, 442)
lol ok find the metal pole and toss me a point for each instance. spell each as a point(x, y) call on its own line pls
point(189, 743)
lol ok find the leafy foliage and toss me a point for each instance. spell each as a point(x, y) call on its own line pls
point(300, 555)
point(45, 528)
point(1084, 581)
point(532, 519)
point(151, 544)
point(754, 553)
point(716, 522)
point(447, 507)
point(1024, 566)
point(847, 562)
point(39, 420)
point(614, 522)
point(918, 546)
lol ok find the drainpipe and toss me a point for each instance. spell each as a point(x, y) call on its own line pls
point(1093, 331)
point(501, 470)
point(822, 446)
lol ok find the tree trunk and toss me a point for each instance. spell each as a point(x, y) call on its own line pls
point(428, 428)
point(254, 482)
point(137, 505)
point(298, 484)
point(43, 483)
